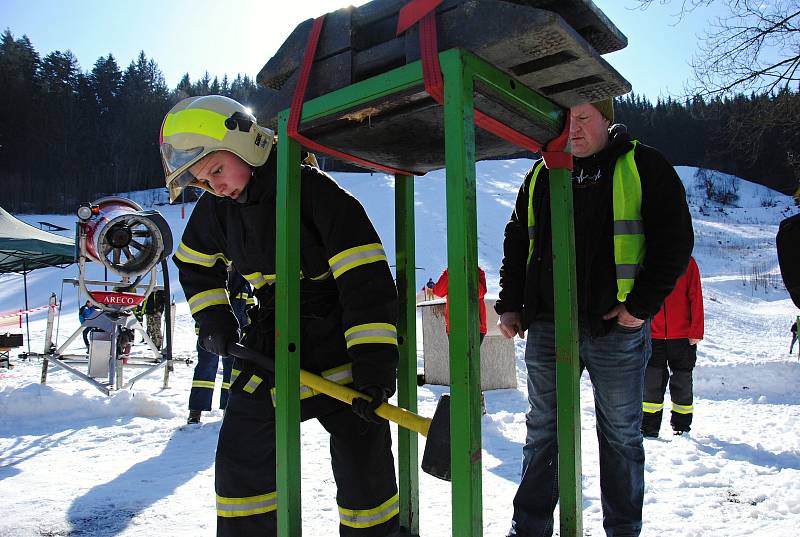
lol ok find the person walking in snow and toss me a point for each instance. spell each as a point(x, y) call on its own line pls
point(205, 371)
point(676, 330)
point(86, 312)
point(633, 239)
point(348, 315)
point(793, 330)
point(153, 309)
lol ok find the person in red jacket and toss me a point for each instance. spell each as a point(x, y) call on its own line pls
point(440, 289)
point(676, 330)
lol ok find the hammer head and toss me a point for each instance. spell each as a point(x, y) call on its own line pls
point(436, 458)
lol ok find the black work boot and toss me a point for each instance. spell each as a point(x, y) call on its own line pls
point(194, 417)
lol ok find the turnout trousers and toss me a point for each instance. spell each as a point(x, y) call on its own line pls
point(679, 358)
point(245, 482)
point(205, 374)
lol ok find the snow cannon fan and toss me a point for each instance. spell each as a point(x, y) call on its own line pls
point(128, 241)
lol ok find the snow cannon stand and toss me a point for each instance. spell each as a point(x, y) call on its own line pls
point(130, 243)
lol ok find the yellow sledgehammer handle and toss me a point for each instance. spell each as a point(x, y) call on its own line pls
point(402, 417)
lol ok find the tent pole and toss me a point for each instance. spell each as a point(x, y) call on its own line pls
point(27, 326)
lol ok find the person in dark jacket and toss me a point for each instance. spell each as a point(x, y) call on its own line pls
point(676, 330)
point(348, 315)
point(205, 371)
point(793, 330)
point(633, 238)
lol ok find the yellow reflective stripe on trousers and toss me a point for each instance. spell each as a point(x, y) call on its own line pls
point(531, 216)
point(367, 518)
point(342, 374)
point(226, 385)
point(249, 506)
point(259, 280)
point(355, 257)
point(188, 255)
point(629, 244)
point(212, 297)
point(652, 408)
point(235, 374)
point(252, 384)
point(682, 409)
point(203, 384)
point(371, 333)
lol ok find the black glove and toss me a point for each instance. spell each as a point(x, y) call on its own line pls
point(366, 409)
point(215, 335)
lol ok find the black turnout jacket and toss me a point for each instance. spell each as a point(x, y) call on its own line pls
point(348, 298)
point(669, 239)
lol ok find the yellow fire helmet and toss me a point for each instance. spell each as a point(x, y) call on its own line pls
point(198, 126)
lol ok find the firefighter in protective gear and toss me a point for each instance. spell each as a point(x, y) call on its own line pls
point(205, 372)
point(348, 315)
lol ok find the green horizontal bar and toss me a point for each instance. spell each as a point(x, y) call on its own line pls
point(363, 92)
point(512, 90)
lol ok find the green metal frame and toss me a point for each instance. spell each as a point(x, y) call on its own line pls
point(460, 70)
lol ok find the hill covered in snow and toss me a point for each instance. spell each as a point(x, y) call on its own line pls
point(80, 463)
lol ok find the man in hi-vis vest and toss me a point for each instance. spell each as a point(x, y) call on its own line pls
point(633, 238)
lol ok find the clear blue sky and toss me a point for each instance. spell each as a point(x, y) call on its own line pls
point(239, 36)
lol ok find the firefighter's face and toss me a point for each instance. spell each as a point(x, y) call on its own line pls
point(588, 130)
point(224, 172)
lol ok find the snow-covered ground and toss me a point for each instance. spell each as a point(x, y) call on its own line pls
point(76, 463)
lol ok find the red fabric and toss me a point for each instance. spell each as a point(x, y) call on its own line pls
point(297, 107)
point(440, 289)
point(681, 315)
point(553, 154)
point(411, 13)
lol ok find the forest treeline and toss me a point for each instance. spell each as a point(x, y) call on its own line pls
point(69, 136)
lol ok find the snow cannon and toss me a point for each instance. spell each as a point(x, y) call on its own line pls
point(120, 235)
point(552, 47)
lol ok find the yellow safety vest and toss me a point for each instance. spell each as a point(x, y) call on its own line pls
point(629, 243)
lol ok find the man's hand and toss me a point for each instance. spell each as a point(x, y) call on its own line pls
point(693, 341)
point(510, 324)
point(366, 409)
point(623, 317)
point(216, 337)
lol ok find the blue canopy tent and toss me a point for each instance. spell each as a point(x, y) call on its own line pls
point(23, 248)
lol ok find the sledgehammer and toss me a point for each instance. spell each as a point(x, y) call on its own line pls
point(435, 459)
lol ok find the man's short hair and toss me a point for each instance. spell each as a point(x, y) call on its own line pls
point(606, 108)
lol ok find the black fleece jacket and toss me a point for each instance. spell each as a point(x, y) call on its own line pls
point(669, 239)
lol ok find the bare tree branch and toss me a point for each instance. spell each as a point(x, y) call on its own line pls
point(754, 47)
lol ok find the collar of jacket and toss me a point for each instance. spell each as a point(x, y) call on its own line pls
point(619, 143)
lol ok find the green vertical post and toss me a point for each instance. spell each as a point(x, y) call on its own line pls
point(567, 364)
point(465, 426)
point(287, 333)
point(408, 458)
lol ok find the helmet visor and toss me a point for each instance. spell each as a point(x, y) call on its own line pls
point(173, 159)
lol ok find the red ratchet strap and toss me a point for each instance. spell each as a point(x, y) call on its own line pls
point(553, 153)
point(297, 107)
point(424, 12)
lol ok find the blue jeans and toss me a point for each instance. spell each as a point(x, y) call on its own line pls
point(616, 364)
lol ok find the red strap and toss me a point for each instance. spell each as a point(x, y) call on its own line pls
point(297, 107)
point(412, 13)
point(553, 154)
